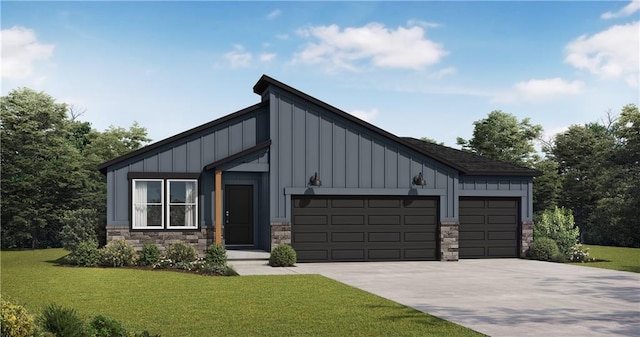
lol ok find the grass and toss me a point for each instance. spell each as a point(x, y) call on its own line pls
point(181, 304)
point(618, 258)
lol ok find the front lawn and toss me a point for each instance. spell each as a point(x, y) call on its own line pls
point(618, 258)
point(181, 304)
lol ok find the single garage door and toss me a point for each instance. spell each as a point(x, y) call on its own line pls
point(488, 228)
point(337, 228)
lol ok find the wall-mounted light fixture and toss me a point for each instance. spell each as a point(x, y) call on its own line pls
point(314, 180)
point(419, 180)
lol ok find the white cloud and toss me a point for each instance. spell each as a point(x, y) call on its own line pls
point(540, 90)
point(424, 24)
point(266, 57)
point(282, 36)
point(238, 58)
point(337, 48)
point(367, 116)
point(443, 72)
point(612, 53)
point(20, 51)
point(627, 10)
point(274, 14)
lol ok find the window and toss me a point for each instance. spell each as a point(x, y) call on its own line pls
point(155, 209)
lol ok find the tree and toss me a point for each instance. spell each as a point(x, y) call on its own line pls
point(501, 136)
point(49, 167)
point(432, 141)
point(547, 187)
point(41, 173)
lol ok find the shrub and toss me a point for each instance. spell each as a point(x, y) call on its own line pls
point(145, 334)
point(86, 254)
point(149, 255)
point(579, 254)
point(117, 253)
point(78, 225)
point(544, 249)
point(181, 252)
point(282, 256)
point(216, 255)
point(62, 322)
point(101, 326)
point(16, 321)
point(558, 225)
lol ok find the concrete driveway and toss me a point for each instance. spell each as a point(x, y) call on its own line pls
point(500, 297)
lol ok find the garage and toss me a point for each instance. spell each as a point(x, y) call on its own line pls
point(364, 228)
point(488, 228)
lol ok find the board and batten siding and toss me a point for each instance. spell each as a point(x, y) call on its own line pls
point(481, 186)
point(349, 159)
point(189, 155)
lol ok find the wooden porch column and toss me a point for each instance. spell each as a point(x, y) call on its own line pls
point(218, 207)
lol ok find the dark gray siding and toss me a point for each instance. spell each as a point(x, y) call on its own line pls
point(190, 155)
point(521, 187)
point(349, 159)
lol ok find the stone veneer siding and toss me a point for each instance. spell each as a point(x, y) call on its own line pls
point(449, 241)
point(201, 239)
point(280, 234)
point(527, 238)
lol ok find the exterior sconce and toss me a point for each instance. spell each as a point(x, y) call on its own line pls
point(419, 180)
point(314, 180)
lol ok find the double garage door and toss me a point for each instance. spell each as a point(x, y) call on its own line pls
point(354, 228)
point(383, 228)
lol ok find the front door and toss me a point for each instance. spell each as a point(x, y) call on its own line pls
point(238, 227)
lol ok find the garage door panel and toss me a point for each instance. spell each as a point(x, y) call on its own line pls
point(310, 237)
point(383, 203)
point(310, 203)
point(338, 220)
point(347, 237)
point(420, 203)
point(302, 220)
point(384, 237)
point(388, 231)
point(488, 227)
point(384, 220)
point(503, 236)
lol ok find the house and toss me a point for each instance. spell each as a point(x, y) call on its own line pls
point(293, 169)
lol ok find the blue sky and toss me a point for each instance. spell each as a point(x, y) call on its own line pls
point(412, 68)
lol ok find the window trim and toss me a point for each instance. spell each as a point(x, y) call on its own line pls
point(168, 225)
point(133, 204)
point(164, 178)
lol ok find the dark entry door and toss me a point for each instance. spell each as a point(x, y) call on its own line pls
point(238, 227)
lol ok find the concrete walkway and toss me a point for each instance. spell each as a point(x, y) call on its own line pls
point(499, 297)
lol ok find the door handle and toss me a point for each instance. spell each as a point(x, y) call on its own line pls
point(226, 216)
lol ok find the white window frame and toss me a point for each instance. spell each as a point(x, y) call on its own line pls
point(169, 204)
point(134, 203)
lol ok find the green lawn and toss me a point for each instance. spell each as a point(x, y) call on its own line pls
point(618, 258)
point(180, 304)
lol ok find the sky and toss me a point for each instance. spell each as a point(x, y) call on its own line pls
point(418, 69)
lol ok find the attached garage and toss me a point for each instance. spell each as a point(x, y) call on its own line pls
point(488, 228)
point(364, 228)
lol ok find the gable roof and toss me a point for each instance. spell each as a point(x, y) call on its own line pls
point(465, 162)
point(103, 167)
point(472, 163)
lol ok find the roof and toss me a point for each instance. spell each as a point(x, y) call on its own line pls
point(463, 161)
point(103, 167)
point(471, 163)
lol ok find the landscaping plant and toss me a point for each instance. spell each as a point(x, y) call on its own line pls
point(558, 224)
point(16, 321)
point(79, 225)
point(544, 249)
point(149, 255)
point(86, 254)
point(118, 253)
point(181, 251)
point(62, 321)
point(282, 256)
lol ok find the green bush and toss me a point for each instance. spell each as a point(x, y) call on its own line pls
point(101, 326)
point(282, 256)
point(62, 322)
point(558, 225)
point(181, 252)
point(216, 255)
point(16, 321)
point(78, 225)
point(145, 334)
point(149, 255)
point(86, 254)
point(544, 249)
point(117, 253)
